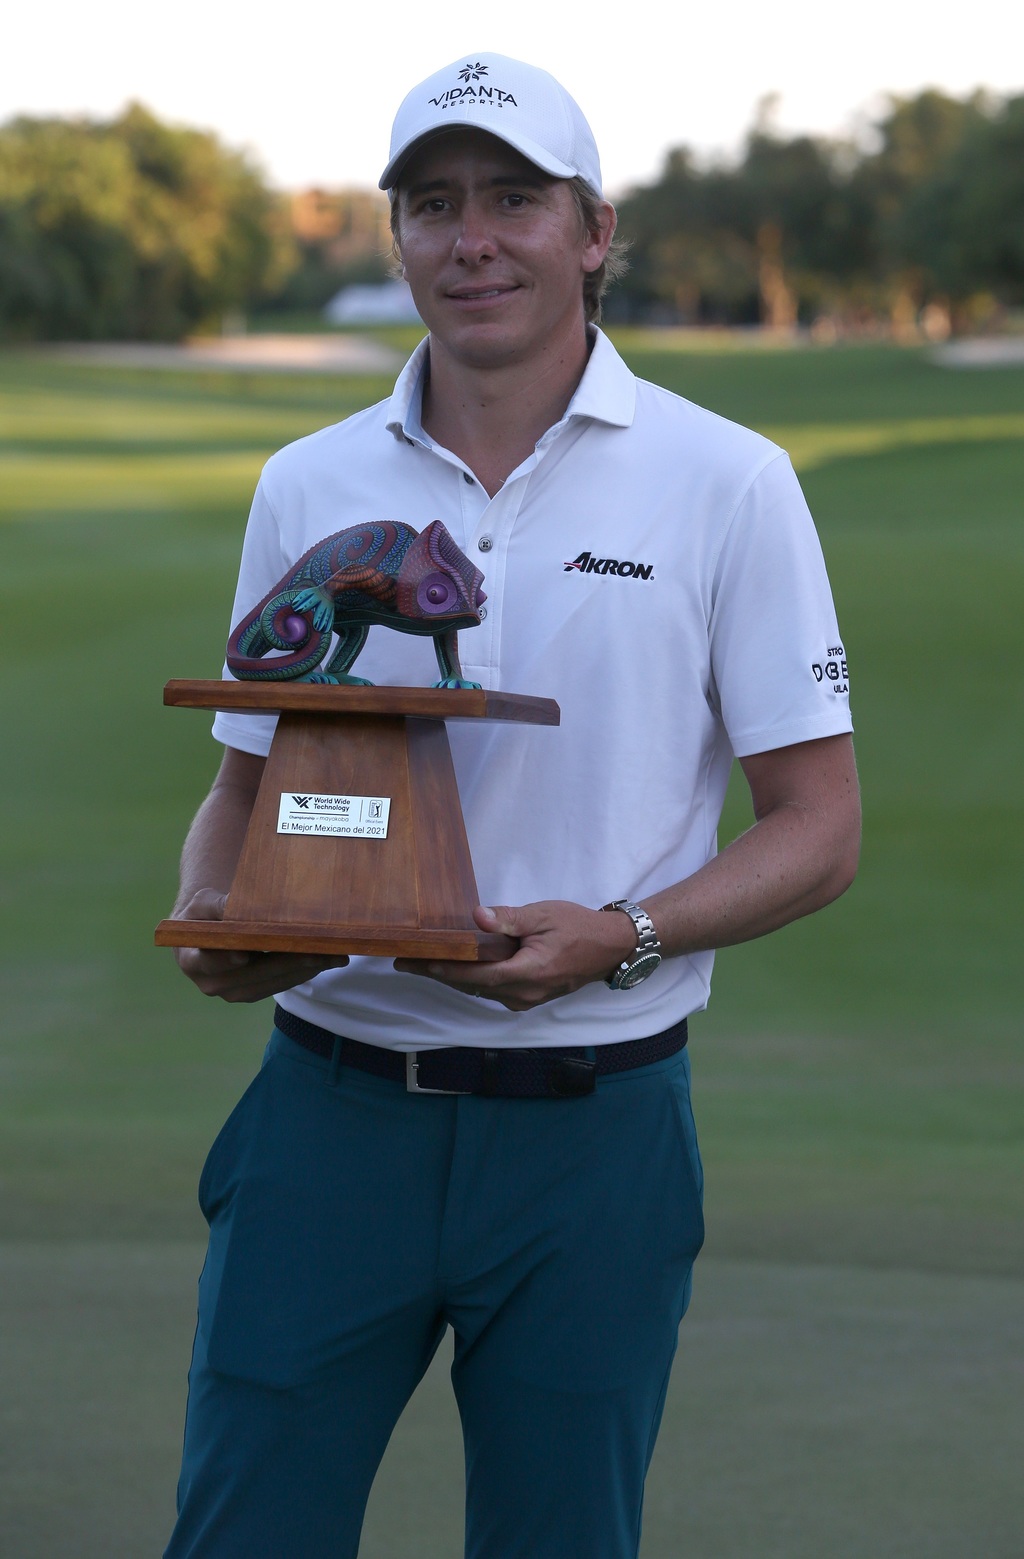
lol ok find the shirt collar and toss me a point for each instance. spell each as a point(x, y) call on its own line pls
point(606, 393)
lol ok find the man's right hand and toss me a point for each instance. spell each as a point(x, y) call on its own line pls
point(237, 976)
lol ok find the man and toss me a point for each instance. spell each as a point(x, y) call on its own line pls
point(654, 569)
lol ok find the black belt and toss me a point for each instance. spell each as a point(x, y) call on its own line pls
point(500, 1074)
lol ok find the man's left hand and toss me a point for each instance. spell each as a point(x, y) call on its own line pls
point(561, 947)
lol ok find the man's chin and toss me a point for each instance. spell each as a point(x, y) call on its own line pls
point(481, 347)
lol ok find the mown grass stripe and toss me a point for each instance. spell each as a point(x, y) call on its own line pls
point(813, 445)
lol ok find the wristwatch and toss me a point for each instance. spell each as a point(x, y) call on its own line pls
point(647, 955)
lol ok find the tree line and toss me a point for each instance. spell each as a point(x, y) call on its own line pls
point(926, 216)
point(130, 229)
point(134, 229)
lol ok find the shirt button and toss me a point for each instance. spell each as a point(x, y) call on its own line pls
point(482, 612)
point(467, 478)
point(485, 543)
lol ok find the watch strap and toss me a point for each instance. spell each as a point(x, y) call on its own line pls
point(648, 945)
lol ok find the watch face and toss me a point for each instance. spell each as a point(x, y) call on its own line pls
point(644, 964)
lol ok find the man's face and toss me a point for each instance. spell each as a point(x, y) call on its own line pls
point(493, 250)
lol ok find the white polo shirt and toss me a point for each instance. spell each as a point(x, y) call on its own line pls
point(652, 567)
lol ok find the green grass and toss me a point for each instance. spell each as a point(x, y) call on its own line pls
point(814, 1413)
point(121, 508)
point(858, 1075)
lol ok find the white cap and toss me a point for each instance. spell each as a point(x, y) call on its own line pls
point(518, 103)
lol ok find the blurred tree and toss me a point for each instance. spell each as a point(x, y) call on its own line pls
point(761, 240)
point(928, 217)
point(918, 137)
point(133, 228)
point(343, 237)
point(130, 229)
point(962, 225)
point(790, 202)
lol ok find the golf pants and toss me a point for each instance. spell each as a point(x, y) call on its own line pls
point(352, 1222)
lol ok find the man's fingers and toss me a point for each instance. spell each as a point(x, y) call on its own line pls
point(561, 946)
point(260, 975)
point(197, 962)
point(202, 963)
point(205, 905)
point(237, 975)
point(515, 920)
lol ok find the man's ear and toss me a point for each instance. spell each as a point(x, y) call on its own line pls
point(598, 236)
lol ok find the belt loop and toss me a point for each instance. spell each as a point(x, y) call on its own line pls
point(490, 1073)
point(570, 1077)
point(335, 1071)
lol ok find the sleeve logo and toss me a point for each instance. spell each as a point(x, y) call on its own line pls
point(832, 670)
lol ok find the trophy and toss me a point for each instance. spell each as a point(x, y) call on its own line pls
point(357, 842)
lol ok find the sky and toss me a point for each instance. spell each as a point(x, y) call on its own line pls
point(310, 88)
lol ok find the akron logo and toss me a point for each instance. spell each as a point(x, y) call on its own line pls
point(586, 563)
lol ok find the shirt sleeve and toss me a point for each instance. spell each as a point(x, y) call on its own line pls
point(778, 662)
point(263, 564)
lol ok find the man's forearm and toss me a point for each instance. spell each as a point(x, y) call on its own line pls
point(800, 855)
point(214, 841)
point(787, 865)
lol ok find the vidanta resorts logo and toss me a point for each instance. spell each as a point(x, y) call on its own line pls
point(483, 96)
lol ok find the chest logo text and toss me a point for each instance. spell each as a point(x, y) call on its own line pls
point(586, 563)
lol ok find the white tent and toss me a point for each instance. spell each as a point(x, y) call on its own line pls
point(383, 303)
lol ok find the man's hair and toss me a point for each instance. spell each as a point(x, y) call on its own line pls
point(596, 283)
point(615, 263)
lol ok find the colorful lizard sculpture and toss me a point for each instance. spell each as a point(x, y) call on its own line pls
point(381, 572)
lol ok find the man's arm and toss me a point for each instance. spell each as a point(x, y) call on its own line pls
point(800, 854)
point(208, 863)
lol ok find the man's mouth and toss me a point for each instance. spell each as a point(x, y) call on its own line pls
point(480, 294)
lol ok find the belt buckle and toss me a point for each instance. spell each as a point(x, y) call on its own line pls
point(413, 1084)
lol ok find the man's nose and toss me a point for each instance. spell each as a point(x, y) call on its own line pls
point(475, 240)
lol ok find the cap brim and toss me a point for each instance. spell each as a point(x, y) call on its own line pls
point(529, 149)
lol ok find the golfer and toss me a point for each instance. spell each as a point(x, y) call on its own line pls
point(508, 1149)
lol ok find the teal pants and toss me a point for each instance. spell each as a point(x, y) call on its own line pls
point(352, 1222)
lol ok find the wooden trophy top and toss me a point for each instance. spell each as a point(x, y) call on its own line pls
point(311, 698)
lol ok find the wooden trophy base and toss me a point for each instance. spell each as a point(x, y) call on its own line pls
point(406, 892)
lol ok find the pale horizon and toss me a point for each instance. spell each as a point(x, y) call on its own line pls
point(313, 102)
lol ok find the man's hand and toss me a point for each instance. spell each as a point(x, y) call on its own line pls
point(561, 947)
point(800, 855)
point(242, 976)
point(207, 866)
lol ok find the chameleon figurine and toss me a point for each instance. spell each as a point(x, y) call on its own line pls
point(382, 572)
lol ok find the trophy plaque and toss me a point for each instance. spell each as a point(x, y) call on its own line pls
point(356, 843)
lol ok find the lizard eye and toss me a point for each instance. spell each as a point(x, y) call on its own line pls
point(435, 594)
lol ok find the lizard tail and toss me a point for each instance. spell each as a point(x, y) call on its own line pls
point(277, 625)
